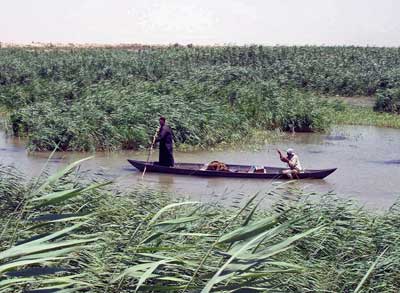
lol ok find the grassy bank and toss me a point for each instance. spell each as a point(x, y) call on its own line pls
point(353, 115)
point(68, 232)
point(109, 99)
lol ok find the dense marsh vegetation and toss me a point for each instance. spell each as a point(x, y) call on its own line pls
point(85, 99)
point(67, 232)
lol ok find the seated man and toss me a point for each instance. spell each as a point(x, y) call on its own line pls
point(293, 162)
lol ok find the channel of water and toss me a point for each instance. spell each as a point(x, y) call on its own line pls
point(367, 158)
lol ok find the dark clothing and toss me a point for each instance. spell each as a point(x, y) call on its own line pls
point(165, 139)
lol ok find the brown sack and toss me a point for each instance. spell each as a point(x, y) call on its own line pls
point(217, 166)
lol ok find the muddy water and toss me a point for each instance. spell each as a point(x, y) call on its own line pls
point(367, 158)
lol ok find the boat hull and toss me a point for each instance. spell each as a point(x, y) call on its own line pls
point(237, 171)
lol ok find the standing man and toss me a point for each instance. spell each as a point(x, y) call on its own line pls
point(293, 163)
point(166, 157)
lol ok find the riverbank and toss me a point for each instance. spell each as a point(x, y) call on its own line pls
point(359, 110)
point(145, 240)
point(361, 115)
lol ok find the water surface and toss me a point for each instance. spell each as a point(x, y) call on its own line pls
point(367, 158)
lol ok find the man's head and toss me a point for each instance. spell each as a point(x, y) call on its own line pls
point(290, 152)
point(162, 121)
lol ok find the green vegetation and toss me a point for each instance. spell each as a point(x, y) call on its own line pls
point(388, 101)
point(112, 117)
point(68, 233)
point(353, 115)
point(108, 99)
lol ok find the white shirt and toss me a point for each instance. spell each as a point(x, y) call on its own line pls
point(294, 163)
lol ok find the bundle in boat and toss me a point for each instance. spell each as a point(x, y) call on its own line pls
point(216, 166)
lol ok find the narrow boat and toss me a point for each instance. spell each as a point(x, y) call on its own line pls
point(235, 171)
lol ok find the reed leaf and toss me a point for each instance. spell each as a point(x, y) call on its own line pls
point(20, 263)
point(53, 178)
point(168, 207)
point(60, 196)
point(369, 272)
point(246, 232)
point(7, 283)
point(178, 221)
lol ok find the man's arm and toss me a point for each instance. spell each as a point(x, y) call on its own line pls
point(283, 159)
point(161, 134)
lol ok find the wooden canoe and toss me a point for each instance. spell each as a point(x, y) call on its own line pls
point(236, 171)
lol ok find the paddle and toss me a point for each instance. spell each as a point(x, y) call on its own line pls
point(150, 150)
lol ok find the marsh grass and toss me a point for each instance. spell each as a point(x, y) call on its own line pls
point(366, 116)
point(255, 140)
point(111, 116)
point(109, 99)
point(69, 233)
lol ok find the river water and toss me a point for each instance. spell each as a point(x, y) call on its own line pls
point(367, 158)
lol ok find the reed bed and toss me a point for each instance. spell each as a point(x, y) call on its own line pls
point(65, 232)
point(354, 115)
point(109, 99)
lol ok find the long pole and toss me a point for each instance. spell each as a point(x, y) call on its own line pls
point(150, 151)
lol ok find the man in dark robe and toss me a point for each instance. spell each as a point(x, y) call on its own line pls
point(166, 157)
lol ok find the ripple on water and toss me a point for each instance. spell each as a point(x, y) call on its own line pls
point(9, 150)
point(315, 151)
point(335, 137)
point(387, 162)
